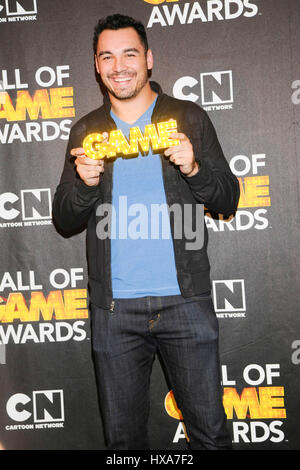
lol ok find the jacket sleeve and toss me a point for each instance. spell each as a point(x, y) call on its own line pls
point(73, 200)
point(214, 185)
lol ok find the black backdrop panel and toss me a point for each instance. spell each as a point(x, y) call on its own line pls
point(239, 60)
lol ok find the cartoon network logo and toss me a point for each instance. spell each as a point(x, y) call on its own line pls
point(45, 408)
point(229, 298)
point(167, 12)
point(27, 208)
point(21, 10)
point(214, 88)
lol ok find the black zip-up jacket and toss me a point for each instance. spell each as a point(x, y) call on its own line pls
point(75, 203)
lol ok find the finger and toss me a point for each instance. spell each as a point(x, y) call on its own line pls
point(93, 174)
point(178, 149)
point(88, 161)
point(179, 159)
point(178, 135)
point(105, 136)
point(88, 174)
point(91, 168)
point(91, 181)
point(78, 152)
point(172, 150)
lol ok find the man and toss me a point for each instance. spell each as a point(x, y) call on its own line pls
point(148, 296)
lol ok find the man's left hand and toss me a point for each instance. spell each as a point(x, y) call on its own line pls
point(183, 155)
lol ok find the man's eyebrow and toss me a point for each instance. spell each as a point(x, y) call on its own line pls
point(130, 49)
point(104, 52)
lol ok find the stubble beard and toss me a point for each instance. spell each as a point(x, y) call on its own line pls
point(126, 94)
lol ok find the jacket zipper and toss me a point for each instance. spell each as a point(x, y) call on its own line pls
point(112, 305)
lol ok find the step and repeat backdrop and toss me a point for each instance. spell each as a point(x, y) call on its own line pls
point(239, 60)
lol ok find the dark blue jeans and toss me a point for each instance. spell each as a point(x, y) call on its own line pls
point(184, 332)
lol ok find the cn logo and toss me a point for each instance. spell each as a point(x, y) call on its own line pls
point(30, 204)
point(36, 204)
point(20, 7)
point(44, 405)
point(216, 88)
point(229, 296)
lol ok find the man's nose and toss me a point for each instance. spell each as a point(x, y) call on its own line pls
point(119, 64)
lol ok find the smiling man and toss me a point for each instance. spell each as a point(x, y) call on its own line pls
point(149, 295)
point(124, 70)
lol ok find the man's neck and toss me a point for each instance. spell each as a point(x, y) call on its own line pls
point(130, 110)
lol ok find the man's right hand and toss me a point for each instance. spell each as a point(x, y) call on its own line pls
point(88, 169)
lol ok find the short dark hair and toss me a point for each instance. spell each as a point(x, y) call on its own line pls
point(118, 21)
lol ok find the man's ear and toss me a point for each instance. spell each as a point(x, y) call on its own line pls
point(96, 63)
point(149, 57)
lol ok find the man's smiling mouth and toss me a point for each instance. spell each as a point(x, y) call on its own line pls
point(122, 79)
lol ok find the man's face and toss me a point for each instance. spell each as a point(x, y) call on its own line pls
point(122, 63)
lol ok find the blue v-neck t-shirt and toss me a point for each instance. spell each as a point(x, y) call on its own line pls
point(142, 254)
